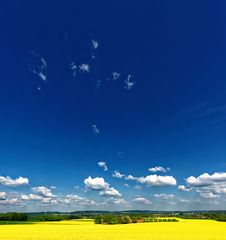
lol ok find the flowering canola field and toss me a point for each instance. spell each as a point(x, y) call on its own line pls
point(87, 230)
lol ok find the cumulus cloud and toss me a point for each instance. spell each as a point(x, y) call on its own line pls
point(60, 199)
point(164, 196)
point(158, 169)
point(2, 196)
point(129, 82)
point(30, 197)
point(131, 177)
point(96, 131)
point(8, 181)
point(117, 174)
point(184, 188)
point(209, 195)
point(84, 67)
point(43, 191)
point(12, 201)
point(103, 165)
point(207, 185)
point(206, 179)
point(141, 200)
point(156, 180)
point(75, 199)
point(97, 183)
point(120, 201)
point(150, 180)
point(110, 192)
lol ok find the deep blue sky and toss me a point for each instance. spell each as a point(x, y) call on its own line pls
point(174, 115)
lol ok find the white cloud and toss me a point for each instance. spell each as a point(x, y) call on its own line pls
point(84, 67)
point(184, 188)
point(96, 131)
point(43, 191)
point(206, 179)
point(97, 183)
point(142, 200)
point(120, 201)
point(41, 75)
point(155, 180)
point(95, 44)
point(158, 169)
point(75, 199)
point(103, 165)
point(207, 185)
point(12, 201)
point(129, 82)
point(30, 197)
point(130, 177)
point(182, 200)
point(49, 201)
point(117, 174)
point(2, 196)
point(116, 76)
point(150, 180)
point(164, 196)
point(74, 69)
point(209, 195)
point(110, 192)
point(38, 66)
point(8, 181)
point(126, 185)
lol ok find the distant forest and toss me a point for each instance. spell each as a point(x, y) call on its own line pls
point(112, 217)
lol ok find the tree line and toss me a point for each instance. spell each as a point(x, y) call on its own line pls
point(13, 216)
point(126, 219)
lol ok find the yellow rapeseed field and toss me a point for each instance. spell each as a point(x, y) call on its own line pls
point(87, 230)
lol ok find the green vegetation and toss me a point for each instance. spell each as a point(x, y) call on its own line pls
point(13, 216)
point(113, 219)
point(101, 217)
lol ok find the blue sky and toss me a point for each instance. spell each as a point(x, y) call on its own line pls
point(110, 106)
